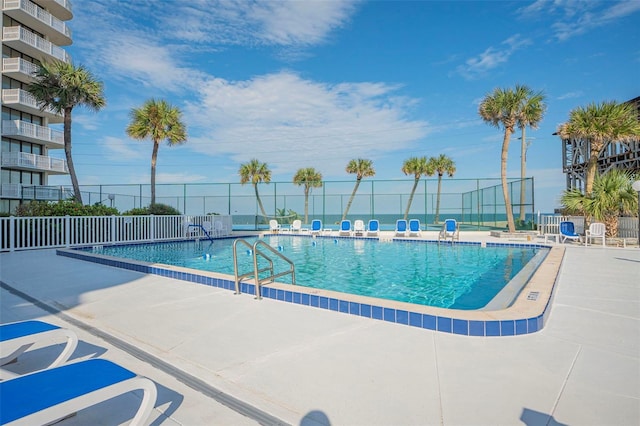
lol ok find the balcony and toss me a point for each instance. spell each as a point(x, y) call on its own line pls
point(29, 132)
point(19, 69)
point(59, 8)
point(35, 46)
point(33, 162)
point(37, 18)
point(24, 101)
point(34, 192)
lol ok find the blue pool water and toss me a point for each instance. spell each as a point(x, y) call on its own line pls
point(459, 276)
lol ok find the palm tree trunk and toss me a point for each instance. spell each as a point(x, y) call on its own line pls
point(437, 218)
point(154, 158)
point(353, 194)
point(77, 196)
point(255, 187)
point(413, 191)
point(503, 177)
point(306, 204)
point(523, 167)
point(592, 167)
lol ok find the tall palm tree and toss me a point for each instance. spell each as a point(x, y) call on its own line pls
point(597, 125)
point(416, 166)
point(256, 172)
point(612, 196)
point(441, 164)
point(63, 86)
point(530, 116)
point(361, 168)
point(502, 108)
point(157, 120)
point(310, 178)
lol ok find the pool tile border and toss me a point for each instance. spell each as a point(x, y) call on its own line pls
point(517, 322)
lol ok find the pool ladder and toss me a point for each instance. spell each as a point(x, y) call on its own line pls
point(257, 250)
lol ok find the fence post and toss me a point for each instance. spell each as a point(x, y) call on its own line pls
point(113, 229)
point(153, 227)
point(12, 232)
point(67, 230)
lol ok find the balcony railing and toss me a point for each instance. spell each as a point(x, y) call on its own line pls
point(19, 97)
point(41, 21)
point(60, 8)
point(10, 35)
point(30, 132)
point(10, 190)
point(26, 160)
point(22, 70)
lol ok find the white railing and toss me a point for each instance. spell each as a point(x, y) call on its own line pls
point(13, 96)
point(23, 233)
point(627, 226)
point(33, 161)
point(38, 13)
point(19, 65)
point(10, 190)
point(25, 36)
point(32, 131)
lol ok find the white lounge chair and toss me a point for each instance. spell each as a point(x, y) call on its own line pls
point(49, 395)
point(17, 337)
point(373, 228)
point(274, 226)
point(358, 228)
point(401, 228)
point(220, 229)
point(296, 226)
point(450, 229)
point(596, 230)
point(345, 228)
point(414, 228)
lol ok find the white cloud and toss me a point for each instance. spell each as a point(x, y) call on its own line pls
point(492, 57)
point(289, 122)
point(123, 150)
point(570, 95)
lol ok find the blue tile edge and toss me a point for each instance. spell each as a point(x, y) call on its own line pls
point(443, 324)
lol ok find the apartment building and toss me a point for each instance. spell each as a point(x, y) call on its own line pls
point(32, 31)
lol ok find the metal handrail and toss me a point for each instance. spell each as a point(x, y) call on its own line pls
point(255, 250)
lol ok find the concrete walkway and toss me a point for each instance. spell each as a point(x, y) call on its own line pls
point(220, 358)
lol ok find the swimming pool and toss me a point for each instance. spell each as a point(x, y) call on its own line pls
point(458, 276)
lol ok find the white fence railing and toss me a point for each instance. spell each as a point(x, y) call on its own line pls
point(23, 233)
point(627, 226)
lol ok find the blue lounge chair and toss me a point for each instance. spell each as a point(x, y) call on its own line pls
point(345, 227)
point(46, 396)
point(568, 232)
point(414, 228)
point(17, 337)
point(401, 228)
point(316, 227)
point(373, 228)
point(450, 230)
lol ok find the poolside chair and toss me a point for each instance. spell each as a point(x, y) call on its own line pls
point(345, 227)
point(296, 226)
point(373, 228)
point(358, 228)
point(220, 229)
point(450, 229)
point(316, 227)
point(49, 395)
point(596, 230)
point(567, 232)
point(401, 228)
point(190, 228)
point(274, 226)
point(208, 228)
point(414, 228)
point(17, 337)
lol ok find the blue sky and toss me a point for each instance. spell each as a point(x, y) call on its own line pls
point(315, 84)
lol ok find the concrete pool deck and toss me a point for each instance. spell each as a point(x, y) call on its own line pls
point(229, 359)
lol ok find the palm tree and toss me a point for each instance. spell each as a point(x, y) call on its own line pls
point(531, 115)
point(416, 166)
point(361, 168)
point(597, 125)
point(157, 120)
point(612, 196)
point(310, 178)
point(256, 172)
point(502, 108)
point(63, 86)
point(441, 164)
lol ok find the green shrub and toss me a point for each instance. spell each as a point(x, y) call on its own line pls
point(63, 208)
point(157, 209)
